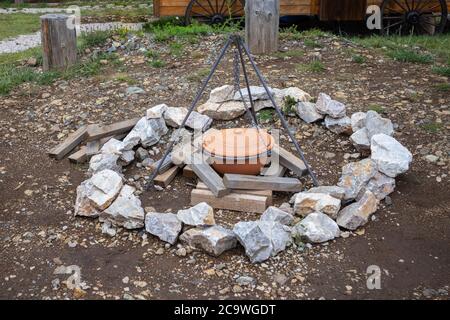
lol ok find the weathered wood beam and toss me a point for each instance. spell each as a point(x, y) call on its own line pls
point(167, 177)
point(246, 182)
point(290, 161)
point(210, 178)
point(97, 132)
point(69, 144)
point(263, 193)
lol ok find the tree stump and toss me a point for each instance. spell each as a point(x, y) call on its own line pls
point(59, 42)
point(261, 25)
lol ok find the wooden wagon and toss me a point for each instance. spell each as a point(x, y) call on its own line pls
point(397, 16)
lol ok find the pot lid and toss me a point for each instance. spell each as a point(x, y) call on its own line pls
point(237, 142)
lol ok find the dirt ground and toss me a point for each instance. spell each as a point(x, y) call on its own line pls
point(408, 239)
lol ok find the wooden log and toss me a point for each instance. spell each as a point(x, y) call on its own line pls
point(59, 42)
point(97, 132)
point(246, 182)
point(167, 177)
point(261, 25)
point(232, 201)
point(80, 156)
point(69, 144)
point(290, 161)
point(210, 178)
point(263, 193)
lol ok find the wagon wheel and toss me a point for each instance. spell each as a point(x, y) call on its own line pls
point(405, 17)
point(214, 11)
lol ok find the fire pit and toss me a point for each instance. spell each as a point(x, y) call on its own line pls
point(238, 150)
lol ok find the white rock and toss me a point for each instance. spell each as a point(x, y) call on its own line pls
point(375, 124)
point(221, 94)
point(214, 240)
point(258, 93)
point(126, 158)
point(108, 229)
point(112, 146)
point(334, 191)
point(106, 186)
point(223, 111)
point(391, 157)
point(327, 106)
point(201, 214)
point(262, 239)
point(306, 203)
point(275, 214)
point(157, 111)
point(165, 226)
point(316, 228)
point(338, 125)
point(175, 116)
point(307, 112)
point(358, 121)
point(147, 132)
point(355, 176)
point(360, 140)
point(297, 94)
point(104, 161)
point(126, 210)
point(198, 121)
point(83, 206)
point(358, 213)
point(380, 185)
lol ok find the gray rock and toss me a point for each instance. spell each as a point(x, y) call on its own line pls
point(222, 111)
point(201, 214)
point(112, 146)
point(157, 111)
point(258, 93)
point(83, 206)
point(126, 158)
point(355, 176)
point(146, 132)
point(147, 162)
point(286, 207)
point(327, 106)
point(391, 157)
point(104, 161)
point(316, 228)
point(334, 191)
point(134, 90)
point(307, 112)
point(338, 125)
point(358, 121)
point(246, 281)
point(141, 154)
point(360, 140)
point(375, 124)
point(108, 229)
point(262, 239)
point(431, 158)
point(126, 211)
point(105, 187)
point(380, 185)
point(221, 94)
point(275, 214)
point(175, 116)
point(306, 203)
point(358, 213)
point(199, 121)
point(165, 226)
point(214, 240)
point(296, 93)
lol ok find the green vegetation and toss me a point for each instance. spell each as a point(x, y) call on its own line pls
point(289, 105)
point(408, 55)
point(176, 48)
point(265, 115)
point(198, 75)
point(356, 58)
point(294, 34)
point(156, 63)
point(123, 77)
point(12, 25)
point(442, 70)
point(376, 107)
point(294, 53)
point(152, 54)
point(315, 66)
point(444, 87)
point(310, 43)
point(432, 127)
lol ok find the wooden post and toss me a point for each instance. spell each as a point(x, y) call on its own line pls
point(261, 25)
point(59, 42)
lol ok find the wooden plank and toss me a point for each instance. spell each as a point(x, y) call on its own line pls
point(261, 26)
point(69, 144)
point(188, 172)
point(280, 171)
point(246, 182)
point(232, 201)
point(263, 193)
point(92, 147)
point(166, 166)
point(210, 178)
point(80, 156)
point(290, 161)
point(97, 132)
point(167, 177)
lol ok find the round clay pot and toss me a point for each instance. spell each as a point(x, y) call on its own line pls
point(238, 150)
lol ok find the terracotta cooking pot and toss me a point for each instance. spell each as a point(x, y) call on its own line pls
point(238, 150)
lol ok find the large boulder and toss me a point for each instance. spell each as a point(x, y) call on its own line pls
point(316, 227)
point(358, 213)
point(307, 112)
point(221, 94)
point(355, 176)
point(103, 161)
point(214, 240)
point(338, 125)
point(297, 94)
point(258, 93)
point(165, 226)
point(262, 239)
point(222, 111)
point(126, 210)
point(146, 132)
point(380, 185)
point(334, 191)
point(307, 202)
point(201, 214)
point(360, 140)
point(327, 106)
point(83, 206)
point(391, 157)
point(375, 124)
point(275, 214)
point(358, 121)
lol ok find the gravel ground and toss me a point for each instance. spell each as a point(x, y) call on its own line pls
point(63, 9)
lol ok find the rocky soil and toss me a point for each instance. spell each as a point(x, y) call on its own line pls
point(408, 237)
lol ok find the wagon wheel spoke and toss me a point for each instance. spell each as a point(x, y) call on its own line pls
point(422, 5)
point(201, 6)
point(212, 11)
point(407, 5)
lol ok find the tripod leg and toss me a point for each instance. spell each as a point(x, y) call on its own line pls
point(280, 114)
point(194, 103)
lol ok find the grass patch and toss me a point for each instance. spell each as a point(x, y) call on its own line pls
point(408, 55)
point(444, 87)
point(289, 105)
point(157, 63)
point(294, 34)
point(14, 24)
point(315, 66)
point(152, 54)
point(376, 107)
point(265, 116)
point(431, 127)
point(310, 43)
point(198, 75)
point(123, 77)
point(295, 53)
point(176, 48)
point(356, 58)
point(442, 70)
